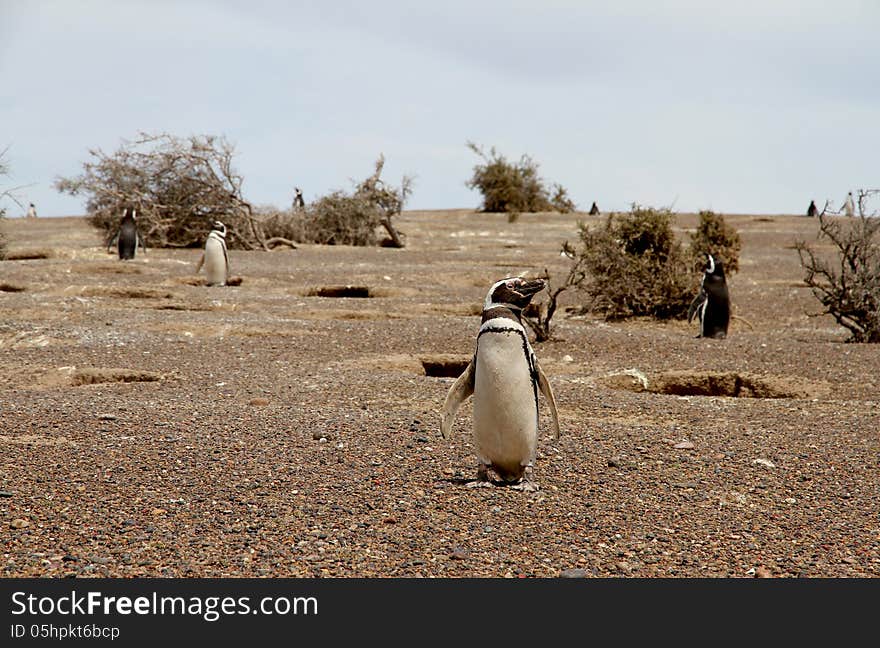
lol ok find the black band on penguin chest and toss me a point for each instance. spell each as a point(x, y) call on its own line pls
point(531, 361)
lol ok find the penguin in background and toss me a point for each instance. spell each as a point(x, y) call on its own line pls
point(32, 211)
point(594, 210)
point(504, 378)
point(214, 258)
point(712, 303)
point(127, 237)
point(298, 200)
point(849, 207)
point(812, 211)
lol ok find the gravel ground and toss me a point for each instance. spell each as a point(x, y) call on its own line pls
point(151, 427)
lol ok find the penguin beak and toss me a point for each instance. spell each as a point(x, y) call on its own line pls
point(530, 288)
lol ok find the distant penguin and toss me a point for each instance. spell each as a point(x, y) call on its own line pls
point(504, 378)
point(712, 304)
point(594, 210)
point(812, 212)
point(32, 211)
point(849, 207)
point(127, 237)
point(298, 201)
point(215, 258)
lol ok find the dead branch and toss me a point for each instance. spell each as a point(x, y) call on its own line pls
point(179, 186)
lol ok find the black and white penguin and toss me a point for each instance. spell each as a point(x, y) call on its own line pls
point(298, 200)
point(849, 207)
point(215, 258)
point(127, 237)
point(812, 211)
point(594, 210)
point(712, 303)
point(504, 378)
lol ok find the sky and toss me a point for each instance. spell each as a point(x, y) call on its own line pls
point(753, 106)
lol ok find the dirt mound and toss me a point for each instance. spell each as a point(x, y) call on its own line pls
point(100, 375)
point(711, 383)
point(125, 293)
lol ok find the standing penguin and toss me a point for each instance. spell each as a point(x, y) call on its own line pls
point(812, 211)
point(214, 257)
point(712, 303)
point(594, 210)
point(127, 237)
point(849, 207)
point(298, 200)
point(504, 377)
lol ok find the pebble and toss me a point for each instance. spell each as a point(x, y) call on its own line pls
point(107, 417)
point(684, 445)
point(5, 493)
point(573, 573)
point(258, 401)
point(764, 462)
point(459, 553)
point(318, 435)
point(567, 358)
point(19, 523)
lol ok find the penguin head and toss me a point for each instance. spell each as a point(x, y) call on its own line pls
point(219, 227)
point(513, 292)
point(129, 214)
point(714, 267)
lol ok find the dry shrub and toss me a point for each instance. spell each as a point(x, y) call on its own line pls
point(633, 266)
point(514, 188)
point(540, 314)
point(341, 218)
point(178, 186)
point(5, 194)
point(847, 285)
point(714, 236)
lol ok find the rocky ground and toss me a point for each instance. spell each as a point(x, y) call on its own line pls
point(151, 426)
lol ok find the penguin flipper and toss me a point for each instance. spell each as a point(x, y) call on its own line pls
point(200, 263)
point(458, 393)
point(544, 386)
point(695, 305)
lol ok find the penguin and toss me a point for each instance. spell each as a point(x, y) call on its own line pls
point(812, 211)
point(298, 201)
point(712, 303)
point(127, 237)
point(504, 378)
point(594, 210)
point(32, 211)
point(849, 207)
point(214, 258)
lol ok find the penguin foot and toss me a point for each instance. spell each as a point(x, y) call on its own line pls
point(526, 486)
point(482, 477)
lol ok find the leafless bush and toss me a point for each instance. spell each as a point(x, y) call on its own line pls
point(514, 188)
point(848, 285)
point(538, 317)
point(178, 186)
point(5, 194)
point(342, 218)
point(714, 236)
point(635, 267)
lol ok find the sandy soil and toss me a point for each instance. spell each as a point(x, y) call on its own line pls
point(152, 427)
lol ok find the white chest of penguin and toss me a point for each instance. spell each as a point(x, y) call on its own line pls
point(215, 261)
point(505, 411)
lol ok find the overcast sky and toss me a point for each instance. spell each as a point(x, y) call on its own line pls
point(741, 107)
